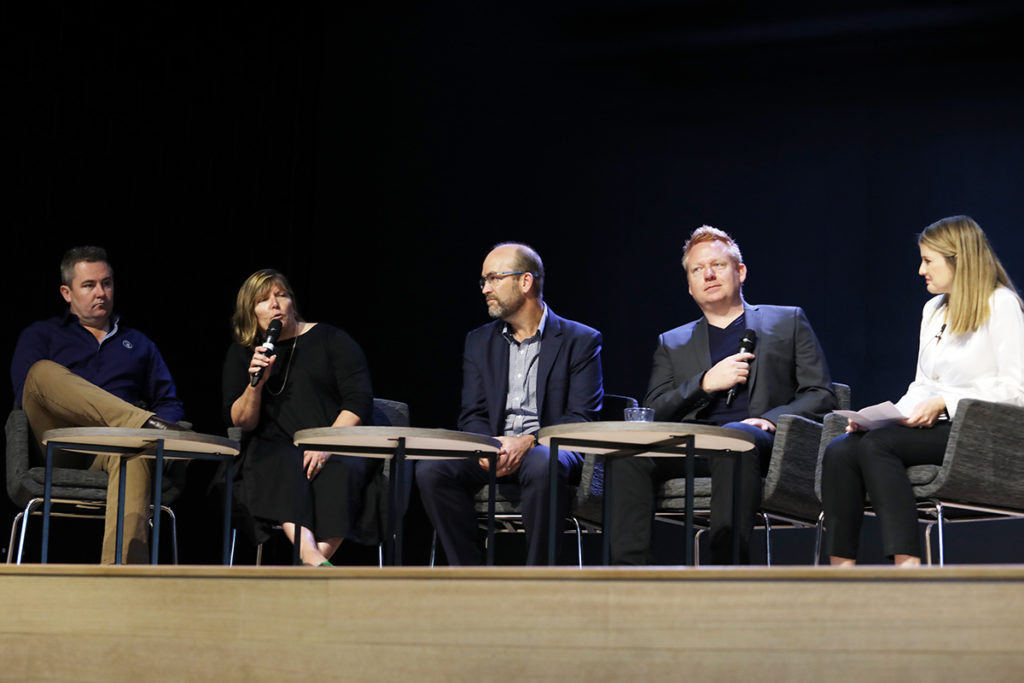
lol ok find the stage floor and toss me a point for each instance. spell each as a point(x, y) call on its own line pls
point(77, 622)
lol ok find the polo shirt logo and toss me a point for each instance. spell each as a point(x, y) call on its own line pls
point(127, 344)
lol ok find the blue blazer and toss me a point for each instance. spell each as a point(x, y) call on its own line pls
point(787, 376)
point(569, 381)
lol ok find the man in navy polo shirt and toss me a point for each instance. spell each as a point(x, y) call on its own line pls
point(695, 366)
point(84, 369)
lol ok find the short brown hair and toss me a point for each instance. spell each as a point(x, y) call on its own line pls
point(76, 255)
point(706, 233)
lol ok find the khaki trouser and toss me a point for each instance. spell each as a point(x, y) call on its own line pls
point(55, 397)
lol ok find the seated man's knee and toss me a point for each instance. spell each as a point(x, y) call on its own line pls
point(426, 475)
point(41, 371)
point(534, 465)
point(432, 475)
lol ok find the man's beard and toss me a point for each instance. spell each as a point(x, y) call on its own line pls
point(500, 310)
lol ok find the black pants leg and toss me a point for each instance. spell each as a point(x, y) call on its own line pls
point(633, 482)
point(447, 488)
point(876, 462)
point(536, 498)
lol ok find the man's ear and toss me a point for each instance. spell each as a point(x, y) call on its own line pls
point(527, 285)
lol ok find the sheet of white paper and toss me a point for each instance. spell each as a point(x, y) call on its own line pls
point(873, 417)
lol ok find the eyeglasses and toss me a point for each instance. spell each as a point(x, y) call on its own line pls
point(494, 278)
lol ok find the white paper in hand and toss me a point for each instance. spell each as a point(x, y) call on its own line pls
point(873, 417)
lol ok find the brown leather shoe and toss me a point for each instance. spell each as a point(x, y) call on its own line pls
point(158, 423)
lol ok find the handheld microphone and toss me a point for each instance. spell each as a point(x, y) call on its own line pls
point(747, 344)
point(273, 332)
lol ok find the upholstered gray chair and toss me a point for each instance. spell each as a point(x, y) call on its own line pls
point(75, 492)
point(588, 496)
point(789, 494)
point(372, 522)
point(981, 476)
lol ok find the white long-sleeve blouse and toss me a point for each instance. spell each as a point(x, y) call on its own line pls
point(987, 364)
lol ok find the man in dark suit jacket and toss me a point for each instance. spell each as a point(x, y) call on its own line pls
point(695, 366)
point(526, 370)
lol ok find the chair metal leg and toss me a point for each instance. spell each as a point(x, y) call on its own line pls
point(10, 544)
point(174, 529)
point(231, 555)
point(259, 555)
point(433, 549)
point(928, 542)
point(34, 503)
point(942, 549)
point(579, 541)
point(696, 547)
point(767, 538)
point(817, 538)
point(174, 532)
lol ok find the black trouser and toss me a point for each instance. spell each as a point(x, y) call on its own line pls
point(633, 483)
point(447, 488)
point(876, 463)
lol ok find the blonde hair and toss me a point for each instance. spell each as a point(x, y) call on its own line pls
point(977, 271)
point(706, 233)
point(244, 326)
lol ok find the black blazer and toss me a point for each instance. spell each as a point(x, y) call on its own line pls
point(789, 374)
point(569, 383)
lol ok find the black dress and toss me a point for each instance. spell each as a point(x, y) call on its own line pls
point(316, 376)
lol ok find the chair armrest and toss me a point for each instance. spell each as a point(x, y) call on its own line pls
point(18, 435)
point(589, 500)
point(842, 393)
point(789, 484)
point(833, 426)
point(984, 459)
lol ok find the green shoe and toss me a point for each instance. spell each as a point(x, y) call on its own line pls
point(325, 563)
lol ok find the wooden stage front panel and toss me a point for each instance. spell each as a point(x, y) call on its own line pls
point(74, 622)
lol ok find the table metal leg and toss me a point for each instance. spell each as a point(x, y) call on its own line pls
point(47, 502)
point(492, 492)
point(395, 521)
point(606, 513)
point(690, 467)
point(553, 452)
point(229, 479)
point(121, 479)
point(737, 523)
point(158, 490)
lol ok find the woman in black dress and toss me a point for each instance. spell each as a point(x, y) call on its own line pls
point(317, 378)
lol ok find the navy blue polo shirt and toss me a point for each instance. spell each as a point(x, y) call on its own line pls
point(126, 363)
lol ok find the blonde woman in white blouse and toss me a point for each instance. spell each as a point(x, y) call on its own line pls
point(972, 346)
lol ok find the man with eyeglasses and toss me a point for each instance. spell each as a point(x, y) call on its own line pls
point(526, 370)
point(696, 368)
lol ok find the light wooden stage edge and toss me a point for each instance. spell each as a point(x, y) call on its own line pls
point(74, 622)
